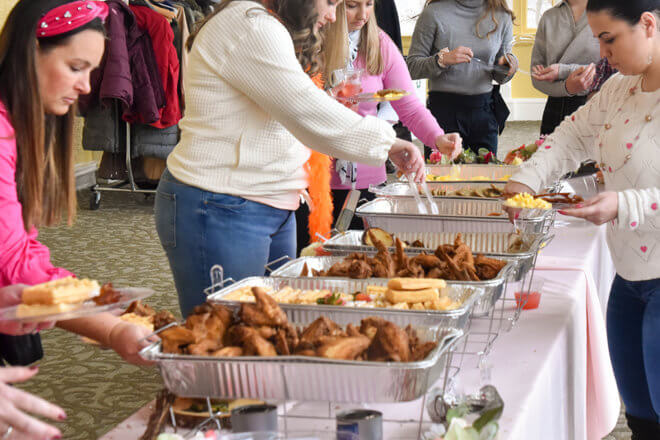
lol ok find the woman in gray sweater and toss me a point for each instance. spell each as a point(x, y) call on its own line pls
point(461, 46)
point(563, 60)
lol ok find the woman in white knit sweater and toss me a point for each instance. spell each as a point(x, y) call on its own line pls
point(620, 128)
point(235, 179)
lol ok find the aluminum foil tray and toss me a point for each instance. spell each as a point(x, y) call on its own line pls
point(401, 189)
point(455, 215)
point(491, 244)
point(303, 378)
point(343, 315)
point(492, 289)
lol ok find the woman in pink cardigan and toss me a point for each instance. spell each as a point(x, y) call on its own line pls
point(359, 43)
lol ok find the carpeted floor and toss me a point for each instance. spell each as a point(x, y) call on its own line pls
point(119, 243)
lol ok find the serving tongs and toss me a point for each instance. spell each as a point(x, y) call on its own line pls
point(418, 200)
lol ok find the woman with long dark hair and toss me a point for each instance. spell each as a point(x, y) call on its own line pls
point(461, 46)
point(48, 48)
point(235, 179)
point(620, 129)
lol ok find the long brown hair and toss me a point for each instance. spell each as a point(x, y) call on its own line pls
point(44, 169)
point(492, 6)
point(298, 16)
point(335, 44)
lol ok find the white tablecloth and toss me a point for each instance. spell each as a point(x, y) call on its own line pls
point(581, 245)
point(552, 368)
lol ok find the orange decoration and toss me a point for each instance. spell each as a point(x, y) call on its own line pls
point(318, 180)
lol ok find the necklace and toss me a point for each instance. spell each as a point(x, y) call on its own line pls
point(629, 146)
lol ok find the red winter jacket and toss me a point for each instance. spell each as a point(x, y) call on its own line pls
point(162, 38)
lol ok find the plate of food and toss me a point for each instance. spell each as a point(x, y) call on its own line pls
point(379, 96)
point(542, 201)
point(70, 298)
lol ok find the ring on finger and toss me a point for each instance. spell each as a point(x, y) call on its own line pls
point(7, 433)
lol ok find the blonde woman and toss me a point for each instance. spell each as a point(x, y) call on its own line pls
point(357, 40)
point(458, 45)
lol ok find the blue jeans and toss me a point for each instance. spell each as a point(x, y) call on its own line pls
point(633, 331)
point(199, 229)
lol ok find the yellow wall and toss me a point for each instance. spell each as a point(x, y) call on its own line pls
point(521, 86)
point(82, 156)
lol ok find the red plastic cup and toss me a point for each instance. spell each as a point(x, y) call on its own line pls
point(530, 300)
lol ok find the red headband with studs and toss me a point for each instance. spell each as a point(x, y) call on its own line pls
point(70, 16)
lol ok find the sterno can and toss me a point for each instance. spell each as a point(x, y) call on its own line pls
point(366, 423)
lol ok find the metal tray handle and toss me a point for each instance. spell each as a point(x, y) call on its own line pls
point(269, 265)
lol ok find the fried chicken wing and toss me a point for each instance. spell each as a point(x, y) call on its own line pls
point(282, 343)
point(252, 342)
point(204, 347)
point(264, 312)
point(390, 344)
point(162, 319)
point(369, 326)
point(316, 330)
point(427, 261)
point(231, 351)
point(140, 309)
point(360, 269)
point(346, 348)
point(176, 337)
point(488, 268)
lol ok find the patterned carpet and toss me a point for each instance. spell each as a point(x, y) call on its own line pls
point(119, 243)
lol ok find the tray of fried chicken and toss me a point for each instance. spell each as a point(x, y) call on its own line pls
point(403, 301)
point(258, 353)
point(454, 215)
point(519, 247)
point(454, 263)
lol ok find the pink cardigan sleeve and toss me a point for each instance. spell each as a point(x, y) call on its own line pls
point(22, 258)
point(411, 110)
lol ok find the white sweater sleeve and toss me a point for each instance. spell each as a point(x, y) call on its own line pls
point(263, 66)
point(570, 144)
point(639, 209)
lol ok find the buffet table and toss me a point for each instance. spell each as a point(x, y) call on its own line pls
point(552, 368)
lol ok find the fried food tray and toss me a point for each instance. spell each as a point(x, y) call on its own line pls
point(490, 290)
point(491, 244)
point(455, 215)
point(344, 315)
point(304, 378)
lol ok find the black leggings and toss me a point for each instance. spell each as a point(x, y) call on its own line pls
point(556, 109)
point(472, 116)
point(338, 198)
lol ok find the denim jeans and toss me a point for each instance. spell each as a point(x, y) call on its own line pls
point(199, 229)
point(633, 331)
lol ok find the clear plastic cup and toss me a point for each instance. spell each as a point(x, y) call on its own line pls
point(530, 299)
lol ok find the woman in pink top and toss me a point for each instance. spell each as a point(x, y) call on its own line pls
point(45, 63)
point(358, 42)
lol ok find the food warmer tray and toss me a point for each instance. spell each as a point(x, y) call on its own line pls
point(455, 215)
point(490, 290)
point(303, 378)
point(402, 189)
point(343, 315)
point(491, 244)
